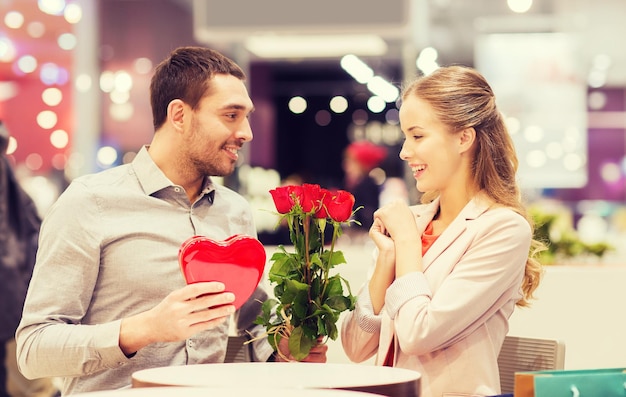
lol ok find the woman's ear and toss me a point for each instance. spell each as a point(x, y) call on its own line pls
point(466, 139)
point(175, 113)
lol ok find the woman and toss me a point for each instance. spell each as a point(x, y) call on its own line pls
point(449, 272)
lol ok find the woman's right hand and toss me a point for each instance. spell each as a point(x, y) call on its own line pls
point(379, 235)
point(384, 271)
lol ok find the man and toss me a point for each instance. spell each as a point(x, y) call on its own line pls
point(107, 297)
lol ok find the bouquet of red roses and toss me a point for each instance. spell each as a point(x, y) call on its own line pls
point(308, 299)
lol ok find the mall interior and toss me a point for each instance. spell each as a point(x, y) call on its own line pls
point(74, 79)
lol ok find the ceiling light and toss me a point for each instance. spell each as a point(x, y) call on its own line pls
point(315, 46)
point(356, 68)
point(384, 89)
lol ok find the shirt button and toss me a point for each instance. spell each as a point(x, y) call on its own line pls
point(177, 189)
point(190, 343)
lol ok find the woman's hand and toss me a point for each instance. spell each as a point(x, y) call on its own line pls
point(380, 237)
point(399, 240)
point(397, 221)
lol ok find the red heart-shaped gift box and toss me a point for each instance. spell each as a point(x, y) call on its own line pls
point(238, 262)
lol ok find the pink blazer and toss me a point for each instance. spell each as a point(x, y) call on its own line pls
point(449, 322)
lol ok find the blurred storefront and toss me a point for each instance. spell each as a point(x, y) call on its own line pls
point(74, 79)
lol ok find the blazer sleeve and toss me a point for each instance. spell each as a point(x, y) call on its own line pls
point(360, 329)
point(484, 267)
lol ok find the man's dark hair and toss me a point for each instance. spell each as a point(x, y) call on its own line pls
point(186, 75)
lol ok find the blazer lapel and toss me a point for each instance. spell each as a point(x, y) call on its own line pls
point(472, 210)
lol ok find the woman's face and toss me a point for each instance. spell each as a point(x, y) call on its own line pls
point(432, 152)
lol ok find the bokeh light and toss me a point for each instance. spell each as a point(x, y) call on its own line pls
point(297, 105)
point(106, 156)
point(52, 96)
point(338, 104)
point(47, 119)
point(14, 19)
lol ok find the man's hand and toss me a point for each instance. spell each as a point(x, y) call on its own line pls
point(183, 313)
point(316, 355)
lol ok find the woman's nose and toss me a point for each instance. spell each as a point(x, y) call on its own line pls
point(404, 153)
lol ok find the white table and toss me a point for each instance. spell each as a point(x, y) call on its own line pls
point(395, 382)
point(234, 391)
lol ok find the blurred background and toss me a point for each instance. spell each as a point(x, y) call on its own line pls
point(74, 77)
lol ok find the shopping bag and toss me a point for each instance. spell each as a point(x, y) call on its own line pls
point(603, 382)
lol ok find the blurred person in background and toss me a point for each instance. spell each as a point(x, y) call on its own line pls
point(19, 231)
point(360, 158)
point(449, 272)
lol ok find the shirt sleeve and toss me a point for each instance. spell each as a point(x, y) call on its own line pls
point(51, 341)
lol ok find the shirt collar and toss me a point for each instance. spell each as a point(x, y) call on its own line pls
point(149, 175)
point(152, 179)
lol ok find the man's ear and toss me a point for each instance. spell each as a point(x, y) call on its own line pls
point(175, 113)
point(466, 139)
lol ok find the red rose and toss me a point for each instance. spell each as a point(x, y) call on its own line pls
point(295, 194)
point(284, 197)
point(311, 197)
point(326, 197)
point(340, 205)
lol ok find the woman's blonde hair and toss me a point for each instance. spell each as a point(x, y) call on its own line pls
point(462, 98)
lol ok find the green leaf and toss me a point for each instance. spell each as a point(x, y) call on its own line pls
point(299, 345)
point(265, 318)
point(331, 328)
point(281, 268)
point(279, 289)
point(316, 288)
point(292, 289)
point(337, 259)
point(338, 303)
point(267, 307)
point(300, 307)
point(321, 326)
point(315, 240)
point(278, 255)
point(316, 261)
point(334, 287)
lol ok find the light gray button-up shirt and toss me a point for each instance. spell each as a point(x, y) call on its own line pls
point(108, 250)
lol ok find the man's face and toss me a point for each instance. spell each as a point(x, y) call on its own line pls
point(219, 127)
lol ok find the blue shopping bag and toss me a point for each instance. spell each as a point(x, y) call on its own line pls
point(602, 382)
